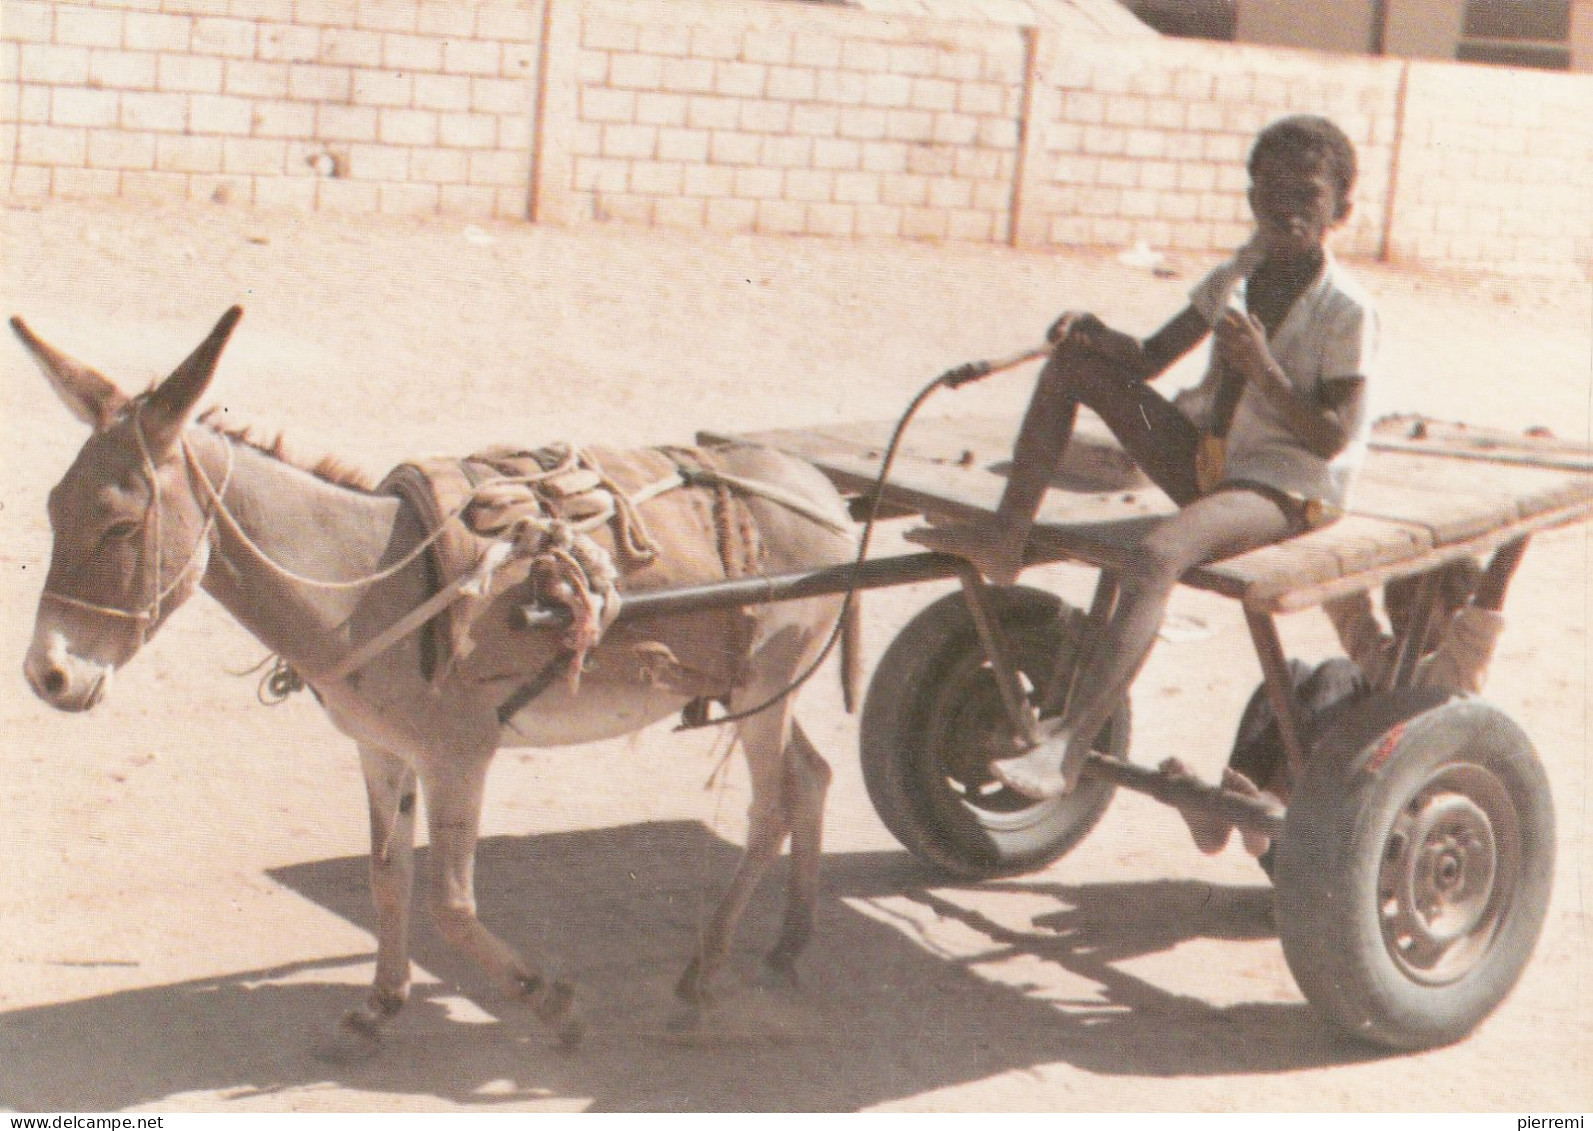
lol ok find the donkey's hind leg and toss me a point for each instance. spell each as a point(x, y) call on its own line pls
point(805, 786)
point(390, 790)
point(453, 816)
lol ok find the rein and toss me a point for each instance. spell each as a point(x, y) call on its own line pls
point(953, 378)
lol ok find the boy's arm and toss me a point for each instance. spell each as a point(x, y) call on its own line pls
point(1158, 352)
point(1324, 426)
point(1359, 633)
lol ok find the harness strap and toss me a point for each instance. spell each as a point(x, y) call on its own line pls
point(152, 609)
point(631, 538)
point(405, 624)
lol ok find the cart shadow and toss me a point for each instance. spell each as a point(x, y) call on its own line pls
point(880, 1016)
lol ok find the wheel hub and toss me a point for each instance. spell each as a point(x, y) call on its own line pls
point(1450, 872)
point(1441, 883)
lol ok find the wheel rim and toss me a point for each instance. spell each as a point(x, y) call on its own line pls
point(1451, 863)
point(966, 728)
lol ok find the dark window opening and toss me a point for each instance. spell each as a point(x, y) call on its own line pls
point(1189, 19)
point(1543, 56)
point(1517, 33)
point(1519, 19)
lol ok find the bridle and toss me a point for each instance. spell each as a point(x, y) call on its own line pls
point(150, 614)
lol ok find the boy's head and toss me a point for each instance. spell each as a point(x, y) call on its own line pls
point(1302, 172)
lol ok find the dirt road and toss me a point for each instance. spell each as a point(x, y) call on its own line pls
point(184, 911)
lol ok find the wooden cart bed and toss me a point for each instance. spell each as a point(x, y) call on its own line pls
point(1430, 492)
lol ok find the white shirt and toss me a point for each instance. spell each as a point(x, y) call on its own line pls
point(1330, 332)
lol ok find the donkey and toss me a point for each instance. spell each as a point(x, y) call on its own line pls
point(159, 503)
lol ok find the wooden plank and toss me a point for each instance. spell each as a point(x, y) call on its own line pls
point(1398, 488)
point(955, 493)
point(1460, 500)
point(1307, 596)
point(1354, 544)
point(1093, 462)
point(1421, 434)
point(1414, 507)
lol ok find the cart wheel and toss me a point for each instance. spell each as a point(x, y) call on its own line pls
point(933, 721)
point(1414, 873)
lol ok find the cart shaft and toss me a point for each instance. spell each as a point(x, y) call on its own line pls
point(880, 573)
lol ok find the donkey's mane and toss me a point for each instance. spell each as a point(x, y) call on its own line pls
point(329, 469)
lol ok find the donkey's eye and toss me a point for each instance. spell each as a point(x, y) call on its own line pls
point(120, 531)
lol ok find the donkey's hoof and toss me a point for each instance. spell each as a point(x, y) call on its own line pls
point(778, 972)
point(572, 1031)
point(687, 1020)
point(356, 1038)
point(554, 1006)
point(553, 1002)
point(692, 988)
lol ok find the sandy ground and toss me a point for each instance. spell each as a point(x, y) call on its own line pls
point(184, 910)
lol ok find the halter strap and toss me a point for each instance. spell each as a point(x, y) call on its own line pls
point(151, 611)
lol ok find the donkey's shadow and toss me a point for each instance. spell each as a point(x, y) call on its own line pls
point(878, 1016)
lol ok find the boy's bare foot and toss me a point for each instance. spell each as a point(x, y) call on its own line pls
point(1255, 843)
point(1209, 831)
point(978, 544)
point(1044, 771)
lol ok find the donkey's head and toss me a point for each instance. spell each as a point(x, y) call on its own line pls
point(131, 525)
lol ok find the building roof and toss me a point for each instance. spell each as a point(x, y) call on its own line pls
point(1081, 17)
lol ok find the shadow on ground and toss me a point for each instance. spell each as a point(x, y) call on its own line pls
point(880, 1016)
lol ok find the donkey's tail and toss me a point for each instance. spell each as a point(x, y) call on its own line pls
point(852, 652)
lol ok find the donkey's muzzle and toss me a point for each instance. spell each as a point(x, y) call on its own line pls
point(64, 681)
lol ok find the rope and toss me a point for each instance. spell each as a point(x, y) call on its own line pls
point(788, 499)
point(316, 583)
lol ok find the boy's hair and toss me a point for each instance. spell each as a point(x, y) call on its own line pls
point(1309, 139)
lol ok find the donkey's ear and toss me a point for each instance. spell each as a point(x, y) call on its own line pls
point(92, 398)
point(174, 398)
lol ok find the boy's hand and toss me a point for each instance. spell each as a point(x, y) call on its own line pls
point(1242, 346)
point(1088, 332)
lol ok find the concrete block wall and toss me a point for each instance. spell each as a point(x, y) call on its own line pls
point(1495, 169)
point(784, 119)
point(1148, 142)
point(773, 116)
point(332, 104)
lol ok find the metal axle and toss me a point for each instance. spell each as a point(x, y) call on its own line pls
point(1253, 813)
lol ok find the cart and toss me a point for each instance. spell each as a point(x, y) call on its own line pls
point(1414, 860)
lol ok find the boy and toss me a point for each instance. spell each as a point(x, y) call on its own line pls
point(1460, 638)
point(1262, 449)
point(1454, 658)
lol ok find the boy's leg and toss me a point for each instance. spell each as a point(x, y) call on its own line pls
point(1217, 526)
point(995, 547)
point(1154, 433)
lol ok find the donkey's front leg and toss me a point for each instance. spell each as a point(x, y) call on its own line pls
point(390, 788)
point(453, 812)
